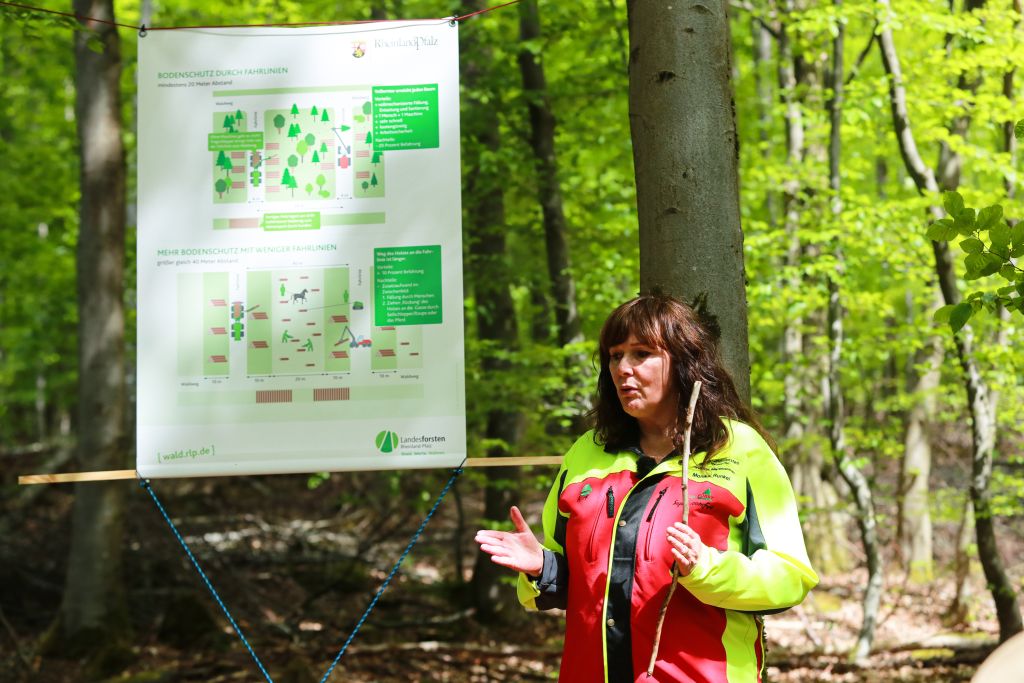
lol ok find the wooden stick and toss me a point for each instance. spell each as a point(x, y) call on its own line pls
point(687, 428)
point(71, 477)
point(110, 475)
point(686, 449)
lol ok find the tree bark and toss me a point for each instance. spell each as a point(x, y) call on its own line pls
point(762, 58)
point(915, 522)
point(959, 611)
point(549, 191)
point(489, 272)
point(685, 153)
point(982, 418)
point(856, 480)
point(93, 606)
point(792, 337)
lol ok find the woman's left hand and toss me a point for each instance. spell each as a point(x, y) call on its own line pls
point(687, 548)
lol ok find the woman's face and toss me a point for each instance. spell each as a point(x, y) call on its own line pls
point(642, 381)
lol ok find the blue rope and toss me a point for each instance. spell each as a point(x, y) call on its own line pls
point(145, 484)
point(394, 570)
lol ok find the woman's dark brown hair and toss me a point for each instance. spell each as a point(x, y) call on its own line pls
point(663, 322)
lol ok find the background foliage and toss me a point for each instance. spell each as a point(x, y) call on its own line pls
point(954, 61)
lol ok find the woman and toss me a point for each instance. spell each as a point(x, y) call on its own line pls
point(613, 523)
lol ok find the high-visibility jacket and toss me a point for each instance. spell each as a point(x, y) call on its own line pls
point(608, 562)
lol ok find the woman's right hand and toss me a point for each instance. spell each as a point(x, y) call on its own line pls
point(519, 550)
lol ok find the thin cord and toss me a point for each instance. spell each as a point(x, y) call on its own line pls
point(195, 563)
point(482, 11)
point(394, 570)
point(84, 19)
point(78, 17)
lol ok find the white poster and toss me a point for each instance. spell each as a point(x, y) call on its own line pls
point(299, 250)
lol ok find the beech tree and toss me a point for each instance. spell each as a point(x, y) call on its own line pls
point(686, 157)
point(93, 609)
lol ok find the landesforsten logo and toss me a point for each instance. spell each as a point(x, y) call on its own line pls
point(387, 441)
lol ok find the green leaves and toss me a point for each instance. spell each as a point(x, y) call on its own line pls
point(990, 217)
point(971, 245)
point(1018, 130)
point(989, 244)
point(953, 203)
point(942, 230)
point(957, 316)
point(980, 265)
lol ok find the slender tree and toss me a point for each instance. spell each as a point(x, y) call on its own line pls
point(915, 525)
point(850, 473)
point(549, 190)
point(93, 607)
point(982, 418)
point(490, 277)
point(803, 456)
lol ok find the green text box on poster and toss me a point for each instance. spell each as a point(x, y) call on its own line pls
point(407, 285)
point(234, 142)
point(304, 220)
point(405, 117)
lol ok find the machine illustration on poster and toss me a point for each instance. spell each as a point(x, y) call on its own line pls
point(299, 250)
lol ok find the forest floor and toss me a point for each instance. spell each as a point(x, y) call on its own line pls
point(297, 567)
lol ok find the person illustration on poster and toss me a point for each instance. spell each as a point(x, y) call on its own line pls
point(614, 537)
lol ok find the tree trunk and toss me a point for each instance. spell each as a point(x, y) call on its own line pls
point(762, 58)
point(851, 474)
point(1009, 139)
point(982, 418)
point(792, 337)
point(915, 522)
point(489, 272)
point(93, 607)
point(826, 535)
point(685, 153)
point(380, 10)
point(959, 612)
point(549, 195)
point(549, 192)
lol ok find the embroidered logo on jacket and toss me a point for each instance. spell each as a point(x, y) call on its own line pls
point(585, 491)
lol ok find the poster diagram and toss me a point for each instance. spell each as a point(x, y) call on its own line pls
point(299, 268)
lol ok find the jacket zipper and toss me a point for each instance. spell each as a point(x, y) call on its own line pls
point(591, 550)
point(650, 527)
point(661, 494)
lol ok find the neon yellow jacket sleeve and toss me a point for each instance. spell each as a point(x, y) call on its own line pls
point(552, 580)
point(777, 574)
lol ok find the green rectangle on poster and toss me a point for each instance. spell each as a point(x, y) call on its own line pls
point(405, 117)
point(407, 285)
point(305, 220)
point(233, 142)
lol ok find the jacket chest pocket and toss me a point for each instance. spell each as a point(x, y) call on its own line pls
point(651, 521)
point(601, 531)
point(589, 527)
